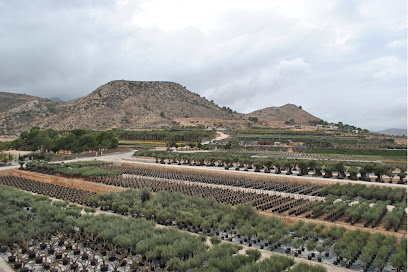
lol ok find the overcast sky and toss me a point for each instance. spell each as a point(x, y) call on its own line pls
point(340, 60)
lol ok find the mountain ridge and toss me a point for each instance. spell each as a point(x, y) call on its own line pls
point(393, 131)
point(131, 105)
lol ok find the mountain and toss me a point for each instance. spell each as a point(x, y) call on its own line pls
point(132, 105)
point(393, 131)
point(283, 113)
point(9, 101)
point(20, 112)
point(55, 99)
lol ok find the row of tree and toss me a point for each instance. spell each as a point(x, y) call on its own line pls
point(279, 164)
point(177, 134)
point(4, 157)
point(77, 169)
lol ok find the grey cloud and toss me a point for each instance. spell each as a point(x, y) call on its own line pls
point(251, 59)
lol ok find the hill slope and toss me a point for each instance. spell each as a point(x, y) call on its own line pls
point(131, 105)
point(19, 112)
point(283, 113)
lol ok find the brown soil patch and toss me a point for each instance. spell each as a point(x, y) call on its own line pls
point(73, 183)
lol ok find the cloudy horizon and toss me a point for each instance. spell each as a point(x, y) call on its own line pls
point(340, 60)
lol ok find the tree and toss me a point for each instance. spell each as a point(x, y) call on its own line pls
point(401, 176)
point(369, 169)
point(88, 142)
point(278, 166)
point(302, 168)
point(257, 165)
point(390, 174)
point(379, 171)
point(320, 249)
point(353, 173)
point(268, 164)
point(145, 194)
point(288, 166)
point(311, 245)
point(328, 171)
point(339, 167)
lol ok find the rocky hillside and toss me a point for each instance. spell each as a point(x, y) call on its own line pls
point(9, 101)
point(283, 113)
point(130, 105)
point(117, 104)
point(19, 112)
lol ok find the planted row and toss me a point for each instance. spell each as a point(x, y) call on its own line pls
point(109, 242)
point(303, 167)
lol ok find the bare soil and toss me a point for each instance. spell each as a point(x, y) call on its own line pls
point(73, 183)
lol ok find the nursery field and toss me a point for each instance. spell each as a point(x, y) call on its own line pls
point(356, 227)
point(291, 164)
point(382, 208)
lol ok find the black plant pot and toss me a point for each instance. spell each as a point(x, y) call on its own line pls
point(12, 259)
point(104, 268)
point(18, 265)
